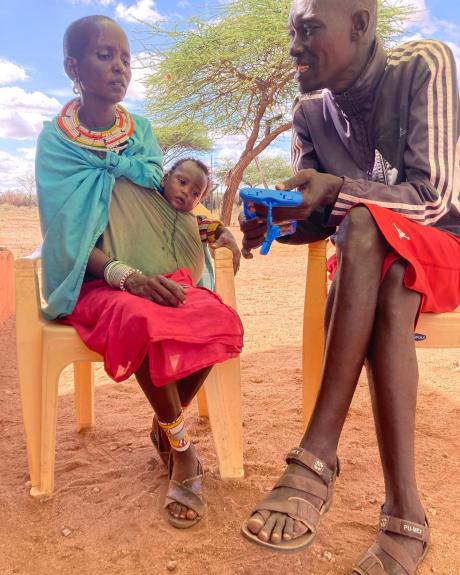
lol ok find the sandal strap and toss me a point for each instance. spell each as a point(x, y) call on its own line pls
point(396, 551)
point(404, 527)
point(182, 493)
point(369, 564)
point(305, 484)
point(307, 459)
point(295, 507)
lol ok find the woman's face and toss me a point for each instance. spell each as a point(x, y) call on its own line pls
point(185, 186)
point(104, 71)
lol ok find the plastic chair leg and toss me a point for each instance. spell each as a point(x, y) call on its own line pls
point(52, 367)
point(313, 330)
point(223, 393)
point(31, 397)
point(84, 394)
point(202, 403)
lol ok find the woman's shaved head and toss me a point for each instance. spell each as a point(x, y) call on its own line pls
point(78, 34)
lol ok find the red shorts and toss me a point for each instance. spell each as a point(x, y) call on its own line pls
point(432, 256)
point(179, 341)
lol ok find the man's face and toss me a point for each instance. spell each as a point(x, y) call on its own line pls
point(321, 45)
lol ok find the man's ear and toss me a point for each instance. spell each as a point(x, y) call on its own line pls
point(360, 19)
point(71, 68)
point(163, 179)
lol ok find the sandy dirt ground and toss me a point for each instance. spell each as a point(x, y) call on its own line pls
point(106, 515)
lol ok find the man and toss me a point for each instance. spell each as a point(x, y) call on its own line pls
point(374, 139)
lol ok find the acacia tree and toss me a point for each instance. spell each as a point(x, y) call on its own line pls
point(272, 169)
point(232, 73)
point(185, 136)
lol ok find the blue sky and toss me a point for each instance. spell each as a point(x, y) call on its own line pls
point(33, 85)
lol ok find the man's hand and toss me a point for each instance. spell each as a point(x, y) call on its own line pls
point(225, 238)
point(317, 189)
point(159, 289)
point(253, 234)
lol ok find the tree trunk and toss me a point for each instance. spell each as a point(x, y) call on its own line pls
point(233, 183)
point(236, 174)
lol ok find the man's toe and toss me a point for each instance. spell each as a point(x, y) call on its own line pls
point(256, 522)
point(266, 532)
point(288, 532)
point(277, 533)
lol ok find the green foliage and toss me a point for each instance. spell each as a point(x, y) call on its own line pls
point(274, 169)
point(232, 73)
point(217, 71)
point(177, 139)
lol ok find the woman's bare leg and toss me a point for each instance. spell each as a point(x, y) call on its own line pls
point(166, 403)
point(189, 386)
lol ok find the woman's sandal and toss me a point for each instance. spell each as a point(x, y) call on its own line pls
point(297, 507)
point(187, 493)
point(160, 442)
point(370, 563)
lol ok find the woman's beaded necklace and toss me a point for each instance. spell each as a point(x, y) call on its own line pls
point(114, 138)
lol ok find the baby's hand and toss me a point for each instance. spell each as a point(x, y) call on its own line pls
point(226, 239)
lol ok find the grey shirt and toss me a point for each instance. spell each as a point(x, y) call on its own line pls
point(392, 136)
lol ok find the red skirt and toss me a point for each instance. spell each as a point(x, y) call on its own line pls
point(432, 256)
point(179, 341)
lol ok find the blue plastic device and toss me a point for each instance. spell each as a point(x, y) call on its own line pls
point(271, 199)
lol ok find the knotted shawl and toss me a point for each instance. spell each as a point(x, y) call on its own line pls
point(74, 188)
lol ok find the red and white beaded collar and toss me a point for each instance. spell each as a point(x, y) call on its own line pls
point(114, 139)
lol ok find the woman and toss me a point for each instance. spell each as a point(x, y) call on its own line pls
point(119, 262)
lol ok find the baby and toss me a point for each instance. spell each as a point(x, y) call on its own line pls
point(184, 186)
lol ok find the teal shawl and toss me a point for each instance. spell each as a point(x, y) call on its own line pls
point(74, 188)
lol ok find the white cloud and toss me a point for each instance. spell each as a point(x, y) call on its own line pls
point(22, 113)
point(141, 68)
point(15, 166)
point(10, 72)
point(229, 148)
point(276, 151)
point(142, 11)
point(423, 25)
point(420, 14)
point(456, 51)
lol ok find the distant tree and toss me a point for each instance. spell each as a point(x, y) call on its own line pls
point(272, 170)
point(27, 184)
point(181, 138)
point(232, 73)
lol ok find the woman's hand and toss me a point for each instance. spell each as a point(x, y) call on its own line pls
point(225, 238)
point(159, 289)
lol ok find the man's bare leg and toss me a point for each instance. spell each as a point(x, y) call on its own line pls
point(393, 379)
point(363, 250)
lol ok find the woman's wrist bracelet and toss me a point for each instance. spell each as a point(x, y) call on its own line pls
point(116, 273)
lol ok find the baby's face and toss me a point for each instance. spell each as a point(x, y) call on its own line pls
point(185, 186)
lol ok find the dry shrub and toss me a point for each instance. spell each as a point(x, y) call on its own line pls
point(18, 198)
